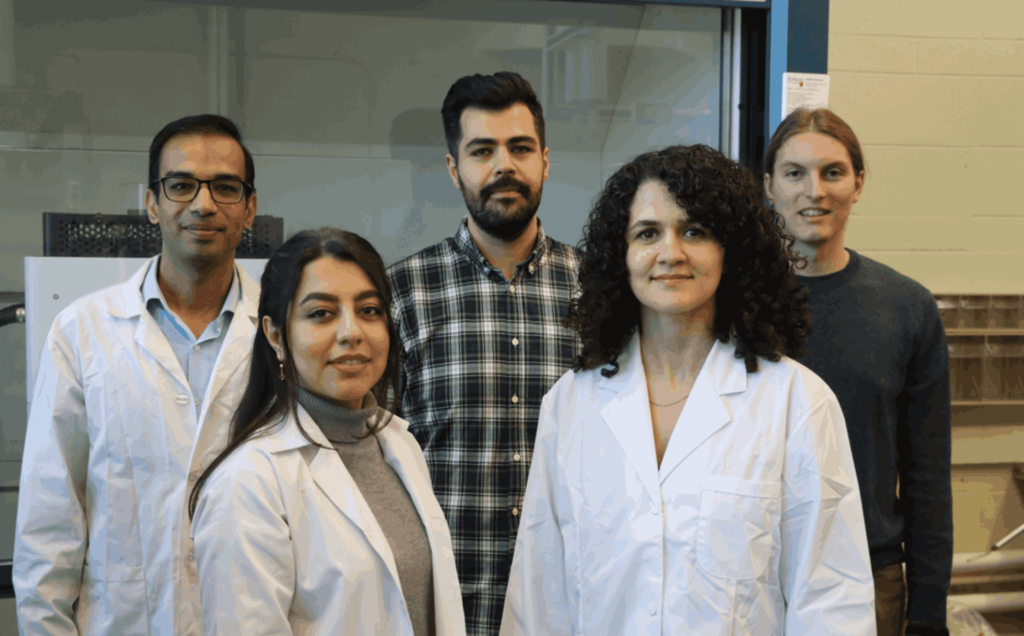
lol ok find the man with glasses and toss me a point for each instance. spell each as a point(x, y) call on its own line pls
point(136, 388)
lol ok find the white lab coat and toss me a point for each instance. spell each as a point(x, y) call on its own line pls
point(752, 525)
point(286, 543)
point(112, 446)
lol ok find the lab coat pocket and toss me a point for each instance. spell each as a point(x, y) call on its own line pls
point(113, 602)
point(734, 535)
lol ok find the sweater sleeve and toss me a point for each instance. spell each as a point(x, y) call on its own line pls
point(924, 449)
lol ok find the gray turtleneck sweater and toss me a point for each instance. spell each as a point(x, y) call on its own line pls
point(387, 497)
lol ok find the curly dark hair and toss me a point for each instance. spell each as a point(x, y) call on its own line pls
point(759, 304)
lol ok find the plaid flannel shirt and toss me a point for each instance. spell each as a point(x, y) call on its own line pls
point(480, 351)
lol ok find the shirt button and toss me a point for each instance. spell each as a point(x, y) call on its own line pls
point(516, 457)
point(652, 609)
point(515, 399)
point(192, 477)
point(191, 558)
point(515, 512)
point(181, 400)
point(531, 268)
point(515, 342)
point(196, 348)
point(511, 289)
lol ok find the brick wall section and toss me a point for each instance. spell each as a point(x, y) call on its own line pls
point(935, 92)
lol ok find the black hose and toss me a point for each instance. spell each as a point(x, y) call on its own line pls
point(11, 315)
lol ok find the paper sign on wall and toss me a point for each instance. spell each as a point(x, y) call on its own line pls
point(804, 90)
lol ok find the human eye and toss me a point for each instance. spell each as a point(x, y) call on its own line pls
point(695, 231)
point(646, 234)
point(834, 173)
point(372, 310)
point(318, 314)
point(228, 186)
point(180, 186)
point(521, 149)
point(480, 152)
point(792, 173)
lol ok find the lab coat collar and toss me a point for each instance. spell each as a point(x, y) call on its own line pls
point(626, 410)
point(133, 304)
point(331, 475)
point(234, 351)
point(289, 437)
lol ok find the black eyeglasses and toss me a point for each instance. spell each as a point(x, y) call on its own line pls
point(186, 189)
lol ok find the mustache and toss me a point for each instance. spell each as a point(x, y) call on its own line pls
point(505, 183)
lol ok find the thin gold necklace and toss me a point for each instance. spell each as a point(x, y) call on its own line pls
point(672, 403)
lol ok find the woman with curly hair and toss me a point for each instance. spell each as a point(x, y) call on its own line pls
point(689, 477)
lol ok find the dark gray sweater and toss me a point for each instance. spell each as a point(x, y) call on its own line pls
point(879, 344)
point(387, 497)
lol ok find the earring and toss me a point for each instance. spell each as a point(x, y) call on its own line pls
point(282, 371)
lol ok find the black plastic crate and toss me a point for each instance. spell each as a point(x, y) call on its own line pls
point(133, 236)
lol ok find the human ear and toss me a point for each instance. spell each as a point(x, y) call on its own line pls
point(250, 210)
point(768, 188)
point(453, 170)
point(860, 186)
point(273, 335)
point(151, 211)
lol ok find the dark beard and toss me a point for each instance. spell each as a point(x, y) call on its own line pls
point(503, 224)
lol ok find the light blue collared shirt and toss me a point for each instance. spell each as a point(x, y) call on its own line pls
point(197, 356)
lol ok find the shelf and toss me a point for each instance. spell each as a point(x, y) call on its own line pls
point(987, 403)
point(985, 332)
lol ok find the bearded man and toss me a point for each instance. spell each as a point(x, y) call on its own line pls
point(480, 326)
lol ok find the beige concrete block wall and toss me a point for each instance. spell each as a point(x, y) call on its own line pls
point(935, 92)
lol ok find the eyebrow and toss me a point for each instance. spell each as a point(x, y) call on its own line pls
point(191, 175)
point(832, 164)
point(331, 298)
point(643, 223)
point(490, 141)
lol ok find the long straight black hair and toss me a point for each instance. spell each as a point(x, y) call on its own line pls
point(268, 399)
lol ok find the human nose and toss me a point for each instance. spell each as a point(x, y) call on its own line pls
point(503, 163)
point(349, 328)
point(813, 187)
point(203, 203)
point(671, 250)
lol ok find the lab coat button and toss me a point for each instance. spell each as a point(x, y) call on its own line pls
point(652, 609)
point(181, 400)
point(196, 347)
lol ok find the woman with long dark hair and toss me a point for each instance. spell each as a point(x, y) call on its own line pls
point(689, 477)
point(318, 517)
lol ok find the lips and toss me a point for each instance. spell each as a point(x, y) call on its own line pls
point(350, 360)
point(505, 185)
